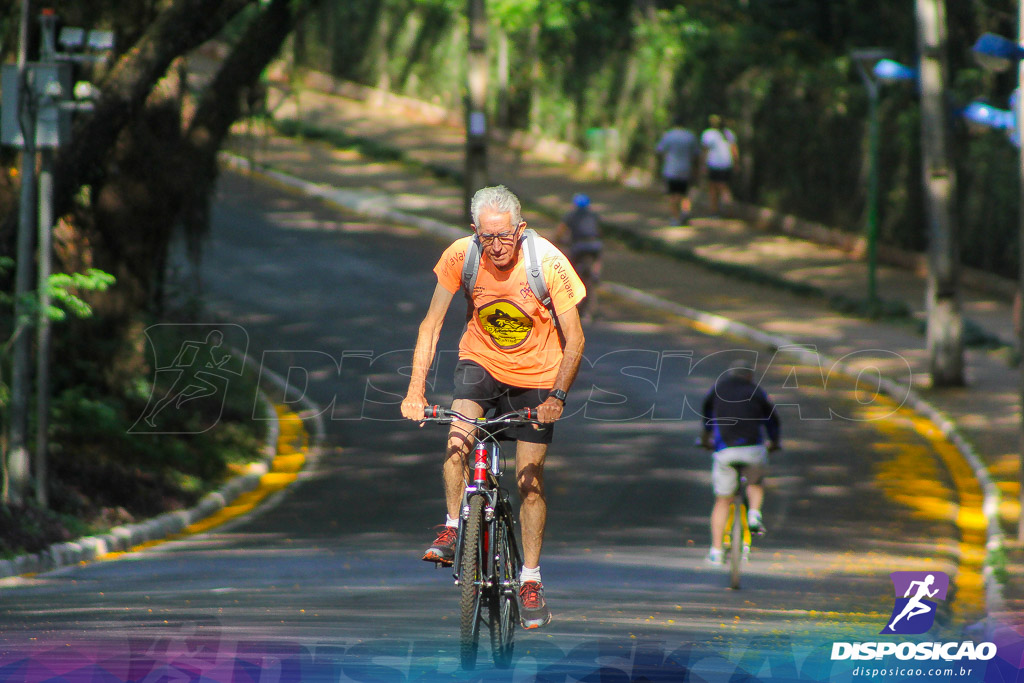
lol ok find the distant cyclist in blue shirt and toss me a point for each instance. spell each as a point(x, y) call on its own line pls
point(738, 415)
point(579, 237)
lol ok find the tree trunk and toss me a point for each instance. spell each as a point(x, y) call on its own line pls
point(153, 176)
point(221, 104)
point(945, 323)
point(181, 27)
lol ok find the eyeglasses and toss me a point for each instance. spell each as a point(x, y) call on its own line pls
point(506, 238)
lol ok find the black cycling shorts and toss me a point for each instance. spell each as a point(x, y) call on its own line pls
point(474, 383)
point(720, 175)
point(677, 185)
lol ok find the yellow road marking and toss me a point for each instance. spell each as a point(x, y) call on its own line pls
point(914, 477)
point(292, 447)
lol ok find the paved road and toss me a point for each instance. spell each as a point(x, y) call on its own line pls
point(328, 580)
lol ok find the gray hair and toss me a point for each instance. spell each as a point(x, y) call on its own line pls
point(498, 198)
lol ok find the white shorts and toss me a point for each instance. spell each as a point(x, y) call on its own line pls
point(723, 476)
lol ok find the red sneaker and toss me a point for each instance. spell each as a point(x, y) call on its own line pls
point(533, 609)
point(443, 550)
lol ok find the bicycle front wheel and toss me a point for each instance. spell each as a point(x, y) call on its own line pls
point(470, 581)
point(504, 602)
point(736, 545)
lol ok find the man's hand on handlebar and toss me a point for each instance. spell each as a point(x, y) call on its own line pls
point(550, 410)
point(412, 407)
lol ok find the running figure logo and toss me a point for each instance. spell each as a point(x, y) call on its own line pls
point(914, 612)
point(197, 378)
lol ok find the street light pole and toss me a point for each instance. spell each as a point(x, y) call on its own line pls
point(1020, 256)
point(43, 326)
point(17, 464)
point(476, 103)
point(862, 58)
point(873, 134)
point(38, 101)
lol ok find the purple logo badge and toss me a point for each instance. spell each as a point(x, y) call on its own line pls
point(914, 611)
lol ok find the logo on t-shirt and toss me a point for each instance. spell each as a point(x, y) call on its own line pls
point(507, 324)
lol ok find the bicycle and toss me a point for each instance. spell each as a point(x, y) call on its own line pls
point(488, 558)
point(737, 527)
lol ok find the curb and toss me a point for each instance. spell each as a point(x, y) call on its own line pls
point(129, 537)
point(378, 206)
point(372, 205)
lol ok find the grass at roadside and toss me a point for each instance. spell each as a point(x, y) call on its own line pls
point(103, 471)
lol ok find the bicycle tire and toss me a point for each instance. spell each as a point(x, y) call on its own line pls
point(470, 577)
point(736, 544)
point(504, 602)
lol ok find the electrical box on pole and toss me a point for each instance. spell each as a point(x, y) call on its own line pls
point(48, 82)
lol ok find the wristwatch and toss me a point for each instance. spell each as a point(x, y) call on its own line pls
point(557, 393)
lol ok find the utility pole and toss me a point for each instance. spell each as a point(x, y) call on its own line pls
point(945, 321)
point(38, 102)
point(17, 464)
point(49, 109)
point(476, 103)
point(1019, 114)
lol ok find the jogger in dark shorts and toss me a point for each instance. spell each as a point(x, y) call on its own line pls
point(679, 149)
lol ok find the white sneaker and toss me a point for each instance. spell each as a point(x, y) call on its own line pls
point(755, 522)
point(714, 556)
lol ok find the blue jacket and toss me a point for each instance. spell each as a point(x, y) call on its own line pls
point(739, 413)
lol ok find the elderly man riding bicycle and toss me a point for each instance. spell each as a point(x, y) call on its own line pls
point(518, 350)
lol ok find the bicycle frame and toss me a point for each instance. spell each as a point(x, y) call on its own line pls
point(737, 536)
point(499, 558)
point(497, 507)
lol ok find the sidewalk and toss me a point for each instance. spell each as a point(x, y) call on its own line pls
point(784, 290)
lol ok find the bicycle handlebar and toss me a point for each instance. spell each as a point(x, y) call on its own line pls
point(521, 416)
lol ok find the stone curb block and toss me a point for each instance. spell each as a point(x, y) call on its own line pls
point(123, 538)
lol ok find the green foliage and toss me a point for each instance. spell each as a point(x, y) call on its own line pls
point(63, 290)
point(62, 287)
point(779, 72)
point(99, 463)
point(996, 559)
point(519, 16)
point(30, 529)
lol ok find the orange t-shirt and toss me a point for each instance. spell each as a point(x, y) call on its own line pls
point(511, 333)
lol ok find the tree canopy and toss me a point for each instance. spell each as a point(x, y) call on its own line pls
point(779, 71)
